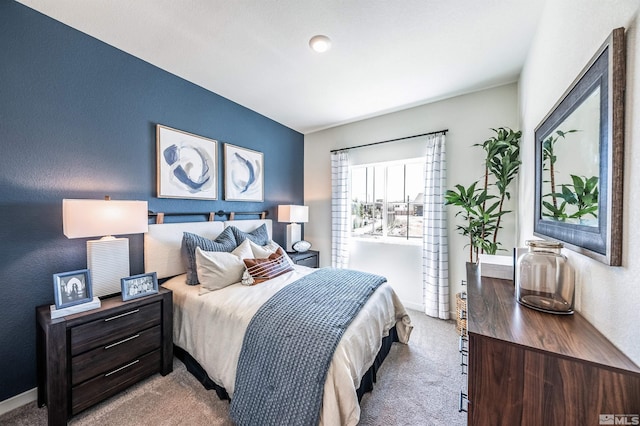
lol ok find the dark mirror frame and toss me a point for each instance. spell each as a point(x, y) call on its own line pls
point(607, 69)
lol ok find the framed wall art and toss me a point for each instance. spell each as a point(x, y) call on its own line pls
point(187, 165)
point(72, 288)
point(139, 286)
point(243, 174)
point(579, 150)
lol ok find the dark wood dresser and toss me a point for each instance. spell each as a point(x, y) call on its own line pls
point(87, 357)
point(532, 368)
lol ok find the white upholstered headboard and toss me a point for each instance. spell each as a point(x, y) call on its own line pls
point(162, 242)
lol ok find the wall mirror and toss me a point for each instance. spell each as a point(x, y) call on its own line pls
point(579, 159)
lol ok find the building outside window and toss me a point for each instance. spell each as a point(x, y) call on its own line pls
point(387, 200)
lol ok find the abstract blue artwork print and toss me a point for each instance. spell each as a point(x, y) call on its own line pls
point(187, 166)
point(243, 174)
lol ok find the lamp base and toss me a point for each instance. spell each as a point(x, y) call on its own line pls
point(293, 235)
point(108, 262)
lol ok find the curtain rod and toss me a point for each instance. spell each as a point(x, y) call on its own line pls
point(390, 140)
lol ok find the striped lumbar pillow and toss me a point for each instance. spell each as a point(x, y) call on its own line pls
point(264, 269)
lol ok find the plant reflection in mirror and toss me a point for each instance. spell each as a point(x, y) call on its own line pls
point(581, 194)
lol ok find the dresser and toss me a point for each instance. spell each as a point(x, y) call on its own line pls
point(87, 357)
point(532, 368)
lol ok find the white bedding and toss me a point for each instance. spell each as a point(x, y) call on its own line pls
point(211, 328)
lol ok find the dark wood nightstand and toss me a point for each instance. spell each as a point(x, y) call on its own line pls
point(310, 258)
point(87, 357)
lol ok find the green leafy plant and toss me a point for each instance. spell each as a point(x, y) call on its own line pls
point(481, 208)
point(582, 194)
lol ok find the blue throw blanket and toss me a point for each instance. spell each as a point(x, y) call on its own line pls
point(289, 344)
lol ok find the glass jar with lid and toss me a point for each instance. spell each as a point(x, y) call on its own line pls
point(544, 279)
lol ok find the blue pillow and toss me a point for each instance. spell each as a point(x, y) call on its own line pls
point(223, 242)
point(260, 236)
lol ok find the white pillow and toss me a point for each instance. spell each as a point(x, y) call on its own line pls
point(262, 252)
point(244, 250)
point(218, 269)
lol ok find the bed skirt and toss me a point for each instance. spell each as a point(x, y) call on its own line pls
point(366, 383)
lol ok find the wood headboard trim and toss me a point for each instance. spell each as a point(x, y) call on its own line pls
point(211, 215)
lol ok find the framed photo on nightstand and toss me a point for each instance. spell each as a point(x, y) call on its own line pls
point(72, 288)
point(139, 286)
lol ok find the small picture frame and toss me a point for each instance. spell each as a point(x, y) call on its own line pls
point(72, 288)
point(139, 286)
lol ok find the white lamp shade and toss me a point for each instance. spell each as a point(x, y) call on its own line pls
point(99, 218)
point(293, 214)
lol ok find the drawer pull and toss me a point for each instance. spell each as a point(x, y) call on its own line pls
point(463, 401)
point(122, 341)
point(122, 368)
point(122, 315)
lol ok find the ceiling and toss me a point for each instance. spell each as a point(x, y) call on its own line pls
point(386, 55)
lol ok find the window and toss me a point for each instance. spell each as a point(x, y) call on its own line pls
point(387, 200)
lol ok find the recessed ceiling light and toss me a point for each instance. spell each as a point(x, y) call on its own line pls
point(320, 43)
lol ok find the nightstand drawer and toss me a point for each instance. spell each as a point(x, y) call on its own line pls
point(310, 258)
point(106, 358)
point(311, 261)
point(113, 381)
point(118, 325)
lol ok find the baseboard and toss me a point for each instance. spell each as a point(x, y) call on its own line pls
point(420, 308)
point(414, 306)
point(18, 401)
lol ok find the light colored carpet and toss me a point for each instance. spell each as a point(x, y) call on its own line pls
point(418, 384)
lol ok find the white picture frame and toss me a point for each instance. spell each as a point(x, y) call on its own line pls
point(243, 174)
point(187, 165)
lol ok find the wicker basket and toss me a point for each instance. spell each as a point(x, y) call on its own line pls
point(461, 313)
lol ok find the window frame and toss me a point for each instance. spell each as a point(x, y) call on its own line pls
point(384, 238)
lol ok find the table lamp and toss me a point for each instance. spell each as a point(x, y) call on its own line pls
point(293, 214)
point(108, 257)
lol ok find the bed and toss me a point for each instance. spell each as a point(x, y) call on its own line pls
point(209, 326)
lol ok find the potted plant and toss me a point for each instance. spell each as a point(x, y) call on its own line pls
point(482, 207)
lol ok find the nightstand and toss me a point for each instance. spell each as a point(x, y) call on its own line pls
point(310, 258)
point(87, 357)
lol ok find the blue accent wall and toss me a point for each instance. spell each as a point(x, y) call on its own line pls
point(77, 120)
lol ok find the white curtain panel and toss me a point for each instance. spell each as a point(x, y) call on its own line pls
point(435, 243)
point(340, 209)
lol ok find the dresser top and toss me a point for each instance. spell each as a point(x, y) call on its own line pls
point(494, 312)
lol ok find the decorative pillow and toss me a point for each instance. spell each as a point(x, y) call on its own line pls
point(264, 269)
point(219, 269)
point(267, 250)
point(245, 250)
point(225, 242)
point(259, 235)
point(261, 252)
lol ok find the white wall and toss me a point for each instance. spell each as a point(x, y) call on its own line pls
point(569, 33)
point(469, 119)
